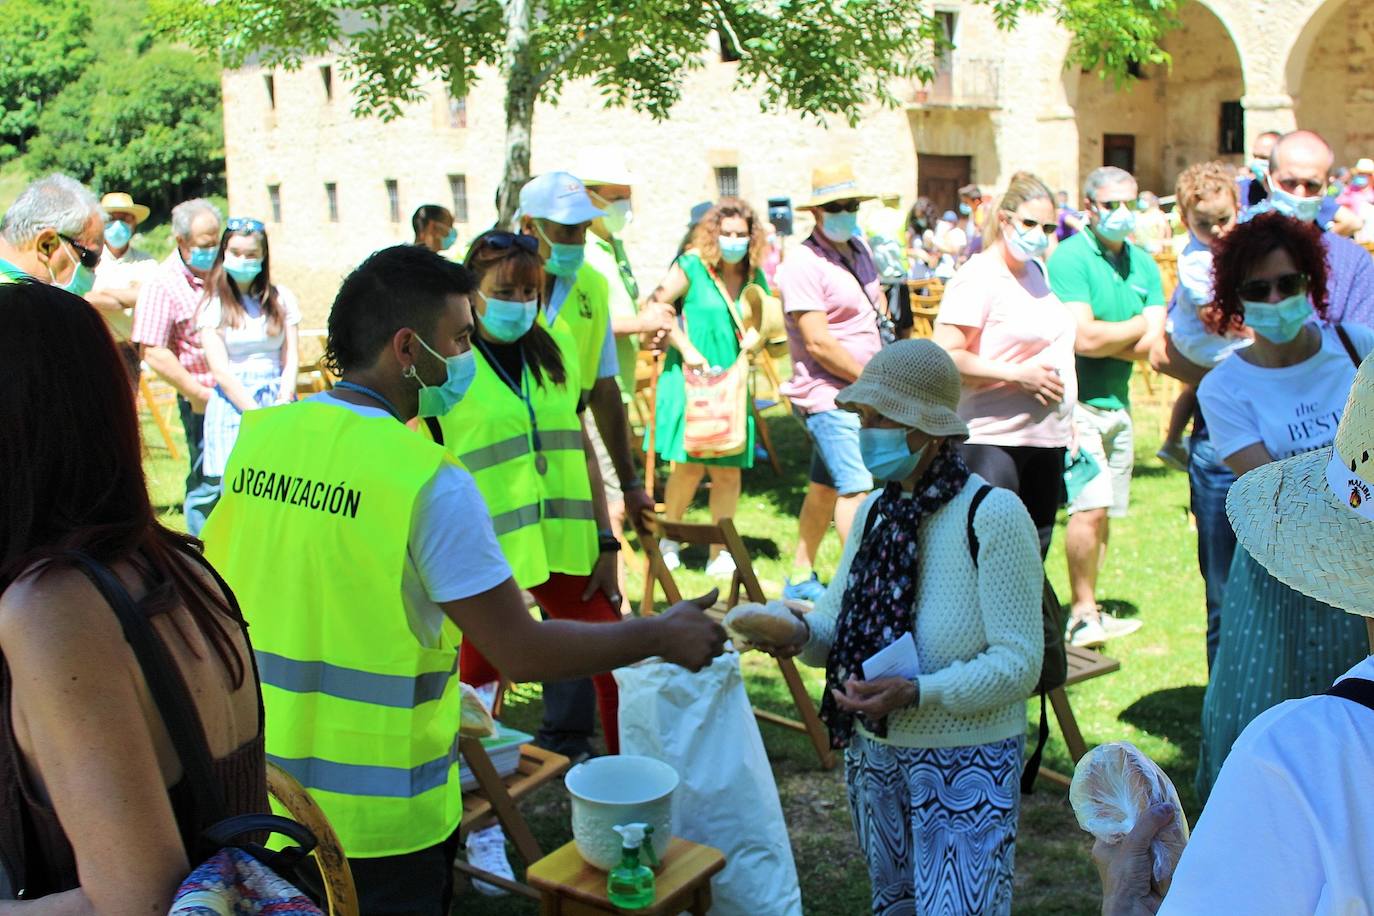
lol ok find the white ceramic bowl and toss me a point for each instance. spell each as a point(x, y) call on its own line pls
point(611, 791)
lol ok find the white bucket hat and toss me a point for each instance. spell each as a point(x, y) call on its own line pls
point(913, 382)
point(602, 165)
point(1309, 519)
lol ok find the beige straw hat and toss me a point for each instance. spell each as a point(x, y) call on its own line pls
point(1309, 519)
point(831, 182)
point(913, 382)
point(119, 202)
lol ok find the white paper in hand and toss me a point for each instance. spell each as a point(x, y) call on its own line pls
point(897, 660)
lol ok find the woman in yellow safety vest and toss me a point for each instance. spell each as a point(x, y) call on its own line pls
point(519, 433)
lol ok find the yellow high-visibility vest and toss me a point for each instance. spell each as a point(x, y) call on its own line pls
point(311, 533)
point(586, 312)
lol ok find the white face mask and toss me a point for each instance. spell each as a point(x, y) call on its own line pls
point(618, 216)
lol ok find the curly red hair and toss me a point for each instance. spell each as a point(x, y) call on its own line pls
point(1246, 245)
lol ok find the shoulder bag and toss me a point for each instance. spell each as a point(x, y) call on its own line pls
point(716, 421)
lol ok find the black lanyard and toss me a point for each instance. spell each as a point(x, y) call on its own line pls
point(541, 464)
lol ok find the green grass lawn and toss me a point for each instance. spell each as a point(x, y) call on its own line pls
point(1155, 700)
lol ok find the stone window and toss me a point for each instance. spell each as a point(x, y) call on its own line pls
point(458, 188)
point(727, 181)
point(274, 198)
point(331, 196)
point(327, 77)
point(1232, 133)
point(393, 199)
point(271, 83)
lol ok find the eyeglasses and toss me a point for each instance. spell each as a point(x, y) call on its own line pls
point(244, 224)
point(1114, 204)
point(1028, 224)
point(503, 241)
point(1259, 290)
point(89, 257)
point(841, 206)
point(1311, 186)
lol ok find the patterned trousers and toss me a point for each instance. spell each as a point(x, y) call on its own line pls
point(937, 825)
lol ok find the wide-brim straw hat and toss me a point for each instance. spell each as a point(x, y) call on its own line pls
point(833, 182)
point(763, 312)
point(119, 202)
point(1364, 166)
point(913, 382)
point(1309, 520)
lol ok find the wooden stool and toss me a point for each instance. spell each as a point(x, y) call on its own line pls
point(568, 886)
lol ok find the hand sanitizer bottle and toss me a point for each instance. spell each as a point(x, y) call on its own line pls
point(630, 885)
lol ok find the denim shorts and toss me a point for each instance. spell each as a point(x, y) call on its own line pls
point(835, 457)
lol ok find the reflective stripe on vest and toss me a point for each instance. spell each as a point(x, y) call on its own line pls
point(358, 709)
point(541, 505)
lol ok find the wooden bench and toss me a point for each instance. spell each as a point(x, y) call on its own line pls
point(1084, 665)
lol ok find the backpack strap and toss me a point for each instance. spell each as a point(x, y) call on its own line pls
point(1355, 689)
point(1349, 345)
point(436, 431)
point(978, 498)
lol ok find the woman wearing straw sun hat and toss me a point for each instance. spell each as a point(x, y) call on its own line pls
point(949, 568)
point(1289, 827)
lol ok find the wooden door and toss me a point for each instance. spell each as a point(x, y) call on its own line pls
point(1119, 150)
point(940, 178)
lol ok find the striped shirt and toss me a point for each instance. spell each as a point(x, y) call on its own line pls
point(165, 316)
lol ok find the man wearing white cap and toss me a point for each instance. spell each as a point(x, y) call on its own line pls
point(555, 209)
point(121, 273)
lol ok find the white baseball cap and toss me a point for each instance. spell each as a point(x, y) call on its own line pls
point(559, 198)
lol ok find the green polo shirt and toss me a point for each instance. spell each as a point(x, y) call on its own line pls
point(1118, 287)
point(11, 274)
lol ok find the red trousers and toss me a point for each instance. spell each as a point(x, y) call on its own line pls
point(561, 599)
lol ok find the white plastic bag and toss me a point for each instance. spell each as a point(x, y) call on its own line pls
point(702, 725)
point(1116, 783)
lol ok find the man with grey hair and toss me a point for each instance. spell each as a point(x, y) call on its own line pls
point(53, 233)
point(1114, 291)
point(165, 330)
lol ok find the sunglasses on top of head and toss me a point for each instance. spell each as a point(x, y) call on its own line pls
point(841, 206)
point(1028, 224)
point(1293, 284)
point(244, 224)
point(503, 241)
point(89, 257)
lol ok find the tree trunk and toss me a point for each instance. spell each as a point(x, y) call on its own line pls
point(521, 94)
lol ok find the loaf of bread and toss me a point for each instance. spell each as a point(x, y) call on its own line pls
point(1116, 783)
point(771, 624)
point(476, 720)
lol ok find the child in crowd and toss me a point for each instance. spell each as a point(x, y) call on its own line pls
point(1207, 198)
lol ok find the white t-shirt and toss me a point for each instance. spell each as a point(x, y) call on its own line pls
point(1290, 410)
point(1018, 321)
point(122, 273)
point(1190, 336)
point(1289, 826)
point(253, 350)
point(453, 552)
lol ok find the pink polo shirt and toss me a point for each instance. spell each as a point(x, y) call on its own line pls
point(809, 283)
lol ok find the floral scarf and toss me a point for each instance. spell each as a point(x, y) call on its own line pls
point(879, 601)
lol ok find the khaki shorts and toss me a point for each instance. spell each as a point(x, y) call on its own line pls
point(609, 477)
point(1109, 437)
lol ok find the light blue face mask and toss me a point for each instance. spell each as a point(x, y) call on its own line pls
point(508, 320)
point(203, 258)
point(840, 227)
point(118, 233)
point(449, 239)
point(243, 270)
point(564, 260)
point(1279, 322)
point(1115, 224)
point(438, 400)
point(1301, 208)
point(965, 209)
point(886, 454)
point(81, 280)
point(1027, 244)
point(733, 249)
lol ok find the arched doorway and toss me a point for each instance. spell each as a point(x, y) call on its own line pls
point(1170, 117)
point(1330, 79)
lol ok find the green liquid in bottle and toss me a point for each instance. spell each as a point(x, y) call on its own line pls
point(630, 885)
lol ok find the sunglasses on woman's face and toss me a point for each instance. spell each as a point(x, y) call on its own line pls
point(89, 257)
point(1028, 224)
point(503, 241)
point(841, 206)
point(1260, 290)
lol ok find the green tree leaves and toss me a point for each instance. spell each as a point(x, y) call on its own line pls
point(42, 50)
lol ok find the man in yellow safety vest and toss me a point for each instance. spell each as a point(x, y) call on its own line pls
point(351, 542)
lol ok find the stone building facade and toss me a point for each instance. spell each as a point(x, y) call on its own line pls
point(333, 187)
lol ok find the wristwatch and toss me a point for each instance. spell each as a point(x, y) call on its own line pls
point(606, 542)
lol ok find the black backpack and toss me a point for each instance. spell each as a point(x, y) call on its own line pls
point(1054, 668)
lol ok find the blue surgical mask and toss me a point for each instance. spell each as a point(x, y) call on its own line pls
point(508, 320)
point(886, 454)
point(243, 270)
point(840, 227)
point(1259, 168)
point(1278, 322)
point(438, 400)
point(1027, 244)
point(1360, 181)
point(564, 260)
point(965, 209)
point(733, 249)
point(203, 258)
point(81, 280)
point(118, 233)
point(449, 239)
point(1115, 224)
point(1300, 208)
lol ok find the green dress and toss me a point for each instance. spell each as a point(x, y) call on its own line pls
point(712, 332)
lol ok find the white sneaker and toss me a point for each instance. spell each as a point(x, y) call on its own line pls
point(670, 551)
point(1114, 626)
point(1085, 634)
point(722, 567)
point(487, 851)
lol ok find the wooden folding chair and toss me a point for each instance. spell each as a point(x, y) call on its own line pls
point(341, 897)
point(744, 582)
point(313, 375)
point(648, 367)
point(925, 304)
point(497, 799)
point(1084, 665)
point(156, 396)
